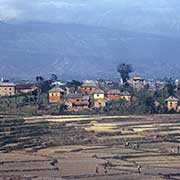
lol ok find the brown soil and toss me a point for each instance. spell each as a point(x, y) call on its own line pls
point(81, 151)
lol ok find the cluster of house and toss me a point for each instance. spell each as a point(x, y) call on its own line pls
point(89, 95)
point(11, 89)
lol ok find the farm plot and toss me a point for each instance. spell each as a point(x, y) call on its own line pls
point(100, 148)
point(152, 143)
point(27, 166)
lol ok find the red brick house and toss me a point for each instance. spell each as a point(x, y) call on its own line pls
point(88, 88)
point(56, 95)
point(113, 95)
point(77, 102)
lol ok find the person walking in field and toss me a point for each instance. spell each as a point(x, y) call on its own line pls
point(105, 169)
point(139, 169)
point(97, 170)
point(178, 150)
point(127, 144)
point(138, 146)
point(54, 162)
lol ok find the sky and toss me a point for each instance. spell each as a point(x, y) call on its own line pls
point(138, 15)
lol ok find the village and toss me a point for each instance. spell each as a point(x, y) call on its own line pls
point(91, 129)
point(91, 95)
point(90, 90)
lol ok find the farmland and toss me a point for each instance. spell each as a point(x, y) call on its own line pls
point(90, 147)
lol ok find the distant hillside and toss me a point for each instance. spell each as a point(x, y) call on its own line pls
point(75, 51)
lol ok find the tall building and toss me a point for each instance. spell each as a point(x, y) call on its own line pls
point(137, 83)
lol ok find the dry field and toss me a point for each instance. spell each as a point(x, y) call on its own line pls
point(120, 143)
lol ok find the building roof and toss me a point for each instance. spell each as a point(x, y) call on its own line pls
point(70, 96)
point(171, 98)
point(56, 89)
point(138, 78)
point(125, 93)
point(74, 96)
point(99, 91)
point(81, 104)
point(7, 84)
point(113, 91)
point(25, 86)
point(89, 84)
point(58, 83)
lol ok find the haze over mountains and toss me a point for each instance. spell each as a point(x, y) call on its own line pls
point(154, 16)
point(87, 39)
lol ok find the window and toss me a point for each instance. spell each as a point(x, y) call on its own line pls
point(171, 104)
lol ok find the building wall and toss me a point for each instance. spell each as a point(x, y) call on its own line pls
point(98, 96)
point(127, 98)
point(99, 103)
point(138, 84)
point(55, 97)
point(113, 96)
point(79, 108)
point(88, 90)
point(26, 91)
point(7, 90)
point(71, 101)
point(172, 105)
point(74, 100)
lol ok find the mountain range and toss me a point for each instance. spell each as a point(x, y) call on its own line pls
point(74, 51)
point(149, 16)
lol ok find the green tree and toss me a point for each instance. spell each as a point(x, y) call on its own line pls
point(124, 70)
point(53, 77)
point(170, 87)
point(39, 79)
point(43, 85)
point(74, 83)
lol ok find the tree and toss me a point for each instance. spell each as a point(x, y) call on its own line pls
point(170, 87)
point(43, 85)
point(124, 70)
point(74, 83)
point(39, 79)
point(150, 105)
point(53, 77)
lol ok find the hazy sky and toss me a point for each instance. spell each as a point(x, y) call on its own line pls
point(124, 14)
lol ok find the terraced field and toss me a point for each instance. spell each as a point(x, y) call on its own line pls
point(96, 148)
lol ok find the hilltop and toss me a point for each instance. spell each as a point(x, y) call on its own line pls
point(80, 52)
